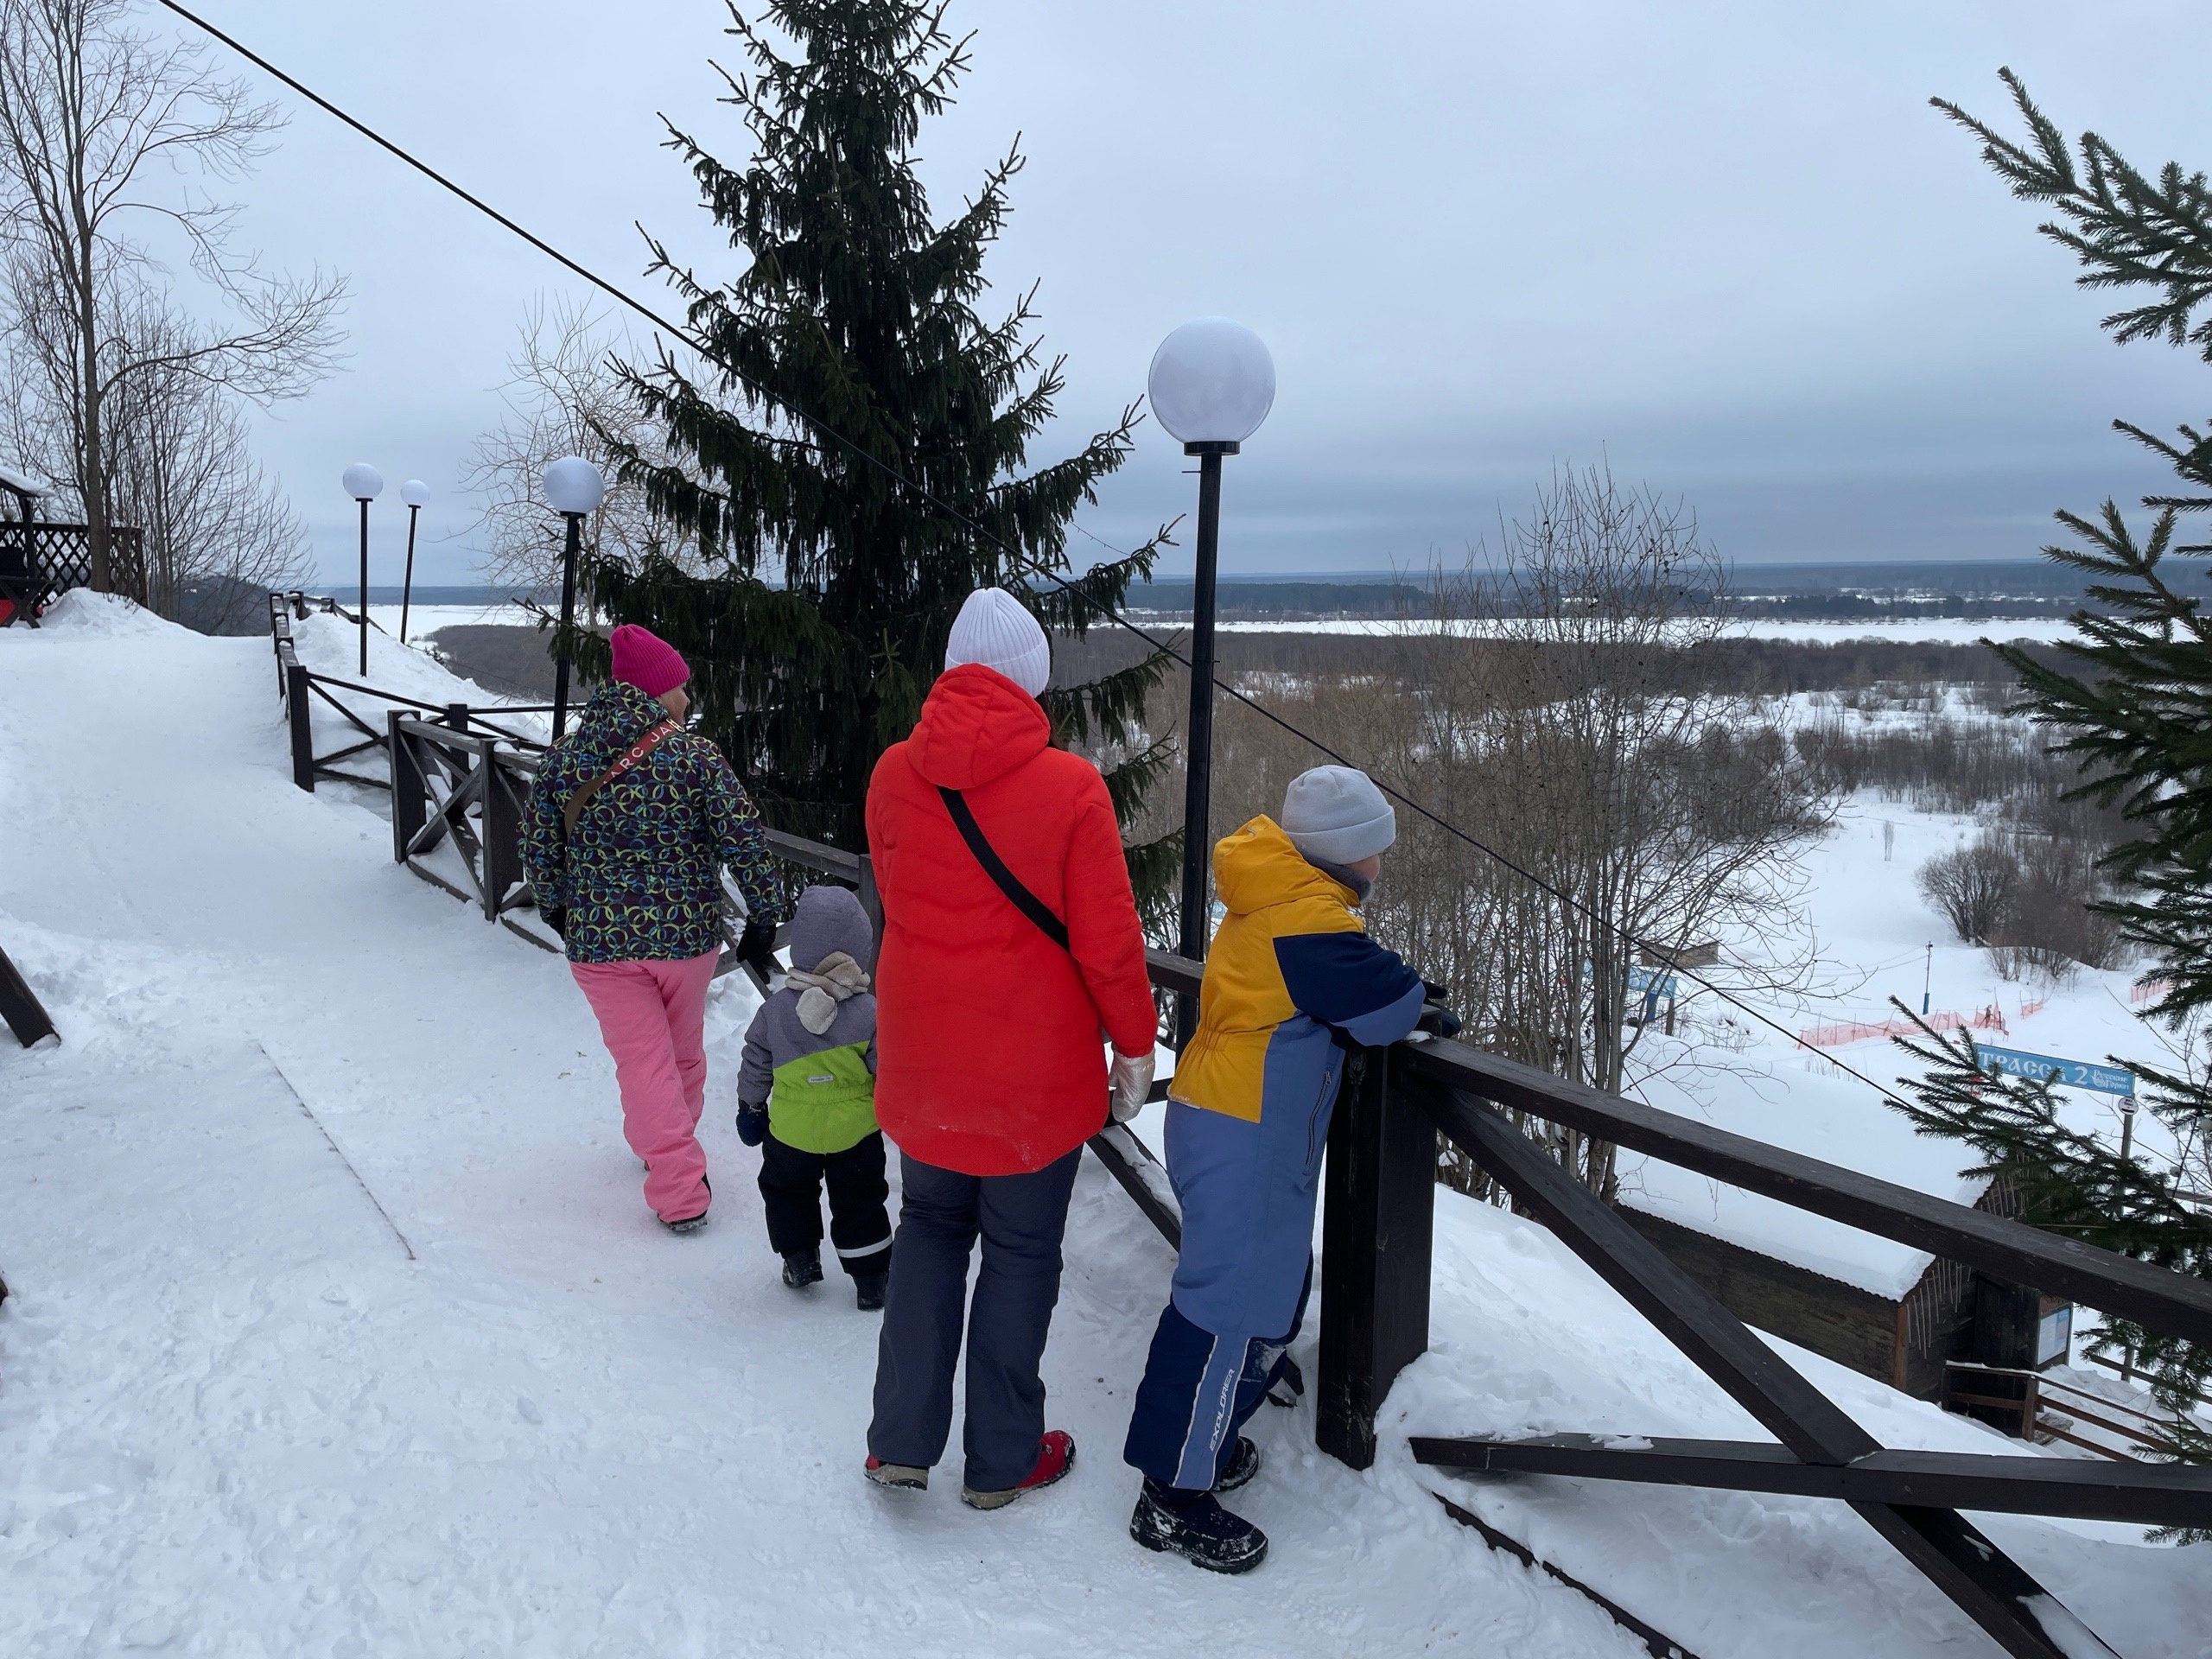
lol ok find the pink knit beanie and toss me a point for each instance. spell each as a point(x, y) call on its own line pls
point(646, 660)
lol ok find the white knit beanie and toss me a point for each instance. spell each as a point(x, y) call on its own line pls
point(1337, 815)
point(995, 629)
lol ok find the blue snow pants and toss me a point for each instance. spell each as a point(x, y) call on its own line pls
point(1021, 1220)
point(1199, 1390)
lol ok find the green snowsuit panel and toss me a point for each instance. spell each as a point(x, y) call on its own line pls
point(825, 1102)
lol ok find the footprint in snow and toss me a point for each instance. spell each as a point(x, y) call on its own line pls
point(154, 1631)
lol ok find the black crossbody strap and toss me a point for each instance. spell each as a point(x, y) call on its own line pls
point(994, 867)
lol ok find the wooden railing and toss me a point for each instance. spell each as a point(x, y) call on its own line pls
point(459, 797)
point(24, 1014)
point(2033, 1406)
point(1377, 1230)
point(301, 687)
point(57, 557)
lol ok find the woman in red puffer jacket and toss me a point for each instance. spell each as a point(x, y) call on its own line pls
point(991, 1069)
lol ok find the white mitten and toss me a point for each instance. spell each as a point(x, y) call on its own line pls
point(1130, 1082)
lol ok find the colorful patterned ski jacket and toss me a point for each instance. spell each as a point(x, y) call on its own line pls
point(819, 1087)
point(638, 878)
point(1291, 976)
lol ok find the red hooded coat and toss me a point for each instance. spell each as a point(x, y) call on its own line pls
point(988, 1053)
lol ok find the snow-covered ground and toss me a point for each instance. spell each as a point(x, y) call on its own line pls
point(1878, 938)
point(338, 1327)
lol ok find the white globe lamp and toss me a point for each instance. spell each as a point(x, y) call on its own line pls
point(574, 489)
point(363, 483)
point(1212, 382)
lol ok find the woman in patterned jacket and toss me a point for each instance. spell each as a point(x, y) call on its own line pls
point(629, 825)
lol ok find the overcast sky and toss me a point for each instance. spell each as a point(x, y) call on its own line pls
point(1727, 246)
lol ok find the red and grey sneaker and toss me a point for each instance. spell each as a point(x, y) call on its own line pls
point(1055, 1457)
point(899, 1477)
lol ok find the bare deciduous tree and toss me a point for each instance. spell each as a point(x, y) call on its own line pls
point(1972, 887)
point(1572, 709)
point(1590, 737)
point(219, 533)
point(101, 129)
point(565, 396)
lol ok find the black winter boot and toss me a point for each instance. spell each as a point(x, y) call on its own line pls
point(869, 1290)
point(802, 1268)
point(1197, 1528)
point(1243, 1464)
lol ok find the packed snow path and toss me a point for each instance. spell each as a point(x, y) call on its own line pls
point(237, 1418)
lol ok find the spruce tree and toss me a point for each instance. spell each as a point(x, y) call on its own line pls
point(830, 583)
point(2133, 706)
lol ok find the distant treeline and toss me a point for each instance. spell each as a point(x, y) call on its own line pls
point(1254, 601)
point(1759, 666)
point(1953, 588)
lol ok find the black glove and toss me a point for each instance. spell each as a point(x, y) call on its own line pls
point(752, 1124)
point(756, 947)
point(1438, 1021)
point(1433, 992)
point(556, 917)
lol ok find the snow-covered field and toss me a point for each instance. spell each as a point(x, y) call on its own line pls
point(426, 619)
point(338, 1328)
point(1913, 632)
point(429, 618)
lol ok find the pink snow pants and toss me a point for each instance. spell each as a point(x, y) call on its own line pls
point(653, 1016)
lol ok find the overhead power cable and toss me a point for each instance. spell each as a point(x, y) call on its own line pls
point(1020, 560)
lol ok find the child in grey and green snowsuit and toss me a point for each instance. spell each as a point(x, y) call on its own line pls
point(806, 1097)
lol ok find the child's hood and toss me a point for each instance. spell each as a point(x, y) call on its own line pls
point(826, 921)
point(1257, 867)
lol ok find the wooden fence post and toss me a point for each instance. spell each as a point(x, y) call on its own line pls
point(503, 811)
point(1376, 1233)
point(410, 794)
point(871, 902)
point(20, 1007)
point(295, 709)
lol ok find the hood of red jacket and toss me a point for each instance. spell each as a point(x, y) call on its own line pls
point(976, 725)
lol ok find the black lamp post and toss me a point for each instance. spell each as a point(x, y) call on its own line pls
point(1198, 781)
point(1212, 384)
point(416, 494)
point(574, 489)
point(363, 483)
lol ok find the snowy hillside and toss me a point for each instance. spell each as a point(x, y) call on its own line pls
point(338, 1327)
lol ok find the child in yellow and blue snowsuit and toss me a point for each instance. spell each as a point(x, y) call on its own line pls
point(1292, 979)
point(806, 1097)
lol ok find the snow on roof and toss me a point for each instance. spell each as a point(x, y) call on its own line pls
point(22, 482)
point(1837, 1119)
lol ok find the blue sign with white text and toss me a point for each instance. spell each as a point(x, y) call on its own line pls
point(2072, 1074)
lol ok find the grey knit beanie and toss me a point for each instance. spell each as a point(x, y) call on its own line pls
point(1335, 815)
